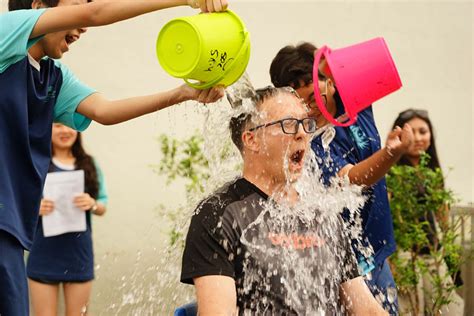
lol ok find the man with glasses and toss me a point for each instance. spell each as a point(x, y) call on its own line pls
point(243, 261)
point(355, 152)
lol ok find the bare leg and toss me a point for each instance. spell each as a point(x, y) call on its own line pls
point(44, 298)
point(77, 298)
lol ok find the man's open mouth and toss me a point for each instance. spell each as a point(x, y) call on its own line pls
point(297, 157)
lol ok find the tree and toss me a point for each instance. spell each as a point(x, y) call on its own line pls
point(426, 239)
point(189, 159)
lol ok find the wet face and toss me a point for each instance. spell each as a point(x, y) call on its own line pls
point(282, 154)
point(63, 137)
point(54, 45)
point(422, 137)
point(326, 88)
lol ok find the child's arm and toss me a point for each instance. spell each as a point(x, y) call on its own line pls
point(106, 112)
point(99, 13)
point(374, 168)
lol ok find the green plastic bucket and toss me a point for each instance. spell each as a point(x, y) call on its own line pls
point(209, 48)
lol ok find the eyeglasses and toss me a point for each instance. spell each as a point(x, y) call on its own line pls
point(291, 125)
point(410, 113)
point(312, 104)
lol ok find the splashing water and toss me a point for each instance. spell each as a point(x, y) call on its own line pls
point(239, 93)
point(308, 284)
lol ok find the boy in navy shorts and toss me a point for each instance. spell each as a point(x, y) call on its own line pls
point(35, 90)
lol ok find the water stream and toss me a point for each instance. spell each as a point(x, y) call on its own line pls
point(156, 290)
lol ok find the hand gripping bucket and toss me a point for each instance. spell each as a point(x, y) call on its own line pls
point(363, 73)
point(210, 48)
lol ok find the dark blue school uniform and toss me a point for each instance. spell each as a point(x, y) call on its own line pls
point(67, 257)
point(351, 145)
point(32, 95)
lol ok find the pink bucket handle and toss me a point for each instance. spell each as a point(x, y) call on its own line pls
point(317, 94)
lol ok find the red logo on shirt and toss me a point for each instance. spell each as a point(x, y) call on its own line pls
point(296, 241)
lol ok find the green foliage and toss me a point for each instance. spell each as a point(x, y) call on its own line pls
point(416, 194)
point(184, 159)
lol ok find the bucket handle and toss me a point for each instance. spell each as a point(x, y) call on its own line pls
point(207, 85)
point(317, 94)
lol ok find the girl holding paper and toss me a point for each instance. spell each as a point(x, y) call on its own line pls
point(68, 258)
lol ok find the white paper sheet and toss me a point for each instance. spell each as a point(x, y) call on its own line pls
point(62, 187)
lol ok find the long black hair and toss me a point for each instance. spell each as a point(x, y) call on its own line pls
point(408, 115)
point(85, 162)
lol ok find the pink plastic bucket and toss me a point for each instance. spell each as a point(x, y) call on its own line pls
point(363, 73)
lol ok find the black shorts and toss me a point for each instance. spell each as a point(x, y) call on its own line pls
point(55, 282)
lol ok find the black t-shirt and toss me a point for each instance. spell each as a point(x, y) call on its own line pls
point(285, 264)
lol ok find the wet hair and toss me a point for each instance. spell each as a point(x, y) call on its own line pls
point(408, 115)
point(293, 64)
point(240, 123)
point(26, 4)
point(85, 162)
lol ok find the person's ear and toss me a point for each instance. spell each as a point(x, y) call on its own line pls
point(250, 141)
point(37, 4)
point(331, 86)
